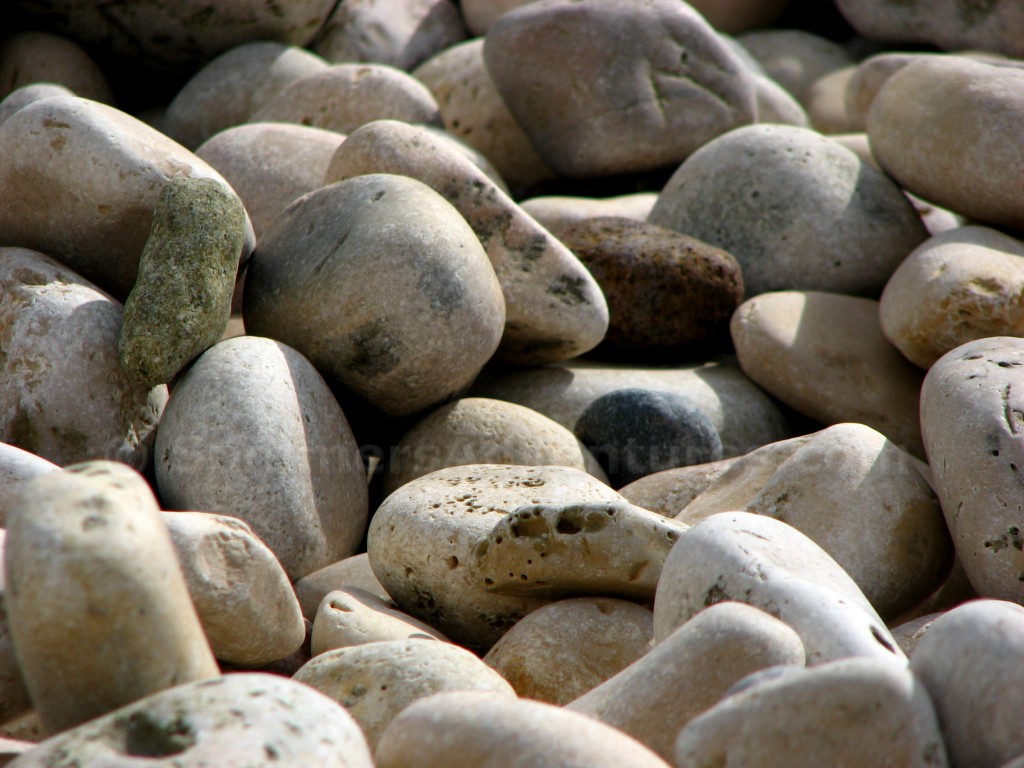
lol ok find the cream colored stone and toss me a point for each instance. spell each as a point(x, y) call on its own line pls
point(868, 78)
point(27, 94)
point(669, 491)
point(93, 535)
point(826, 103)
point(353, 571)
point(348, 617)
point(16, 467)
point(40, 57)
point(908, 634)
point(556, 212)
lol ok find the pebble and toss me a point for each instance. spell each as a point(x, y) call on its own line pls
point(27, 94)
point(354, 571)
point(377, 681)
point(227, 91)
point(405, 344)
point(796, 210)
point(478, 430)
point(63, 393)
point(669, 491)
point(244, 599)
point(640, 90)
point(97, 605)
point(824, 355)
point(480, 15)
point(826, 103)
point(17, 466)
point(473, 729)
point(734, 16)
point(944, 127)
point(556, 212)
point(564, 649)
point(234, 721)
point(777, 105)
point(860, 712)
point(348, 617)
point(669, 296)
point(770, 565)
point(345, 96)
point(637, 432)
point(41, 57)
point(971, 419)
point(253, 431)
point(794, 58)
point(554, 308)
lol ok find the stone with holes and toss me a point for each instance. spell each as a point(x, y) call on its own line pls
point(352, 616)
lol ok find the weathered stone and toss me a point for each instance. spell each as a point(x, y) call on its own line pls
point(93, 537)
point(353, 571)
point(376, 681)
point(796, 210)
point(63, 394)
point(689, 671)
point(403, 343)
point(348, 617)
point(555, 212)
point(554, 308)
point(637, 87)
point(794, 58)
point(39, 57)
point(562, 650)
point(254, 432)
point(824, 355)
point(669, 491)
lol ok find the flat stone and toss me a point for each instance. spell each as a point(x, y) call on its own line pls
point(349, 617)
point(90, 565)
point(824, 355)
point(959, 286)
point(242, 595)
point(63, 393)
point(235, 721)
point(470, 728)
point(689, 671)
point(352, 571)
point(555, 212)
point(639, 88)
point(669, 491)
point(796, 210)
point(376, 681)
point(477, 430)
point(554, 308)
point(562, 650)
point(254, 432)
point(770, 565)
point(40, 57)
point(794, 58)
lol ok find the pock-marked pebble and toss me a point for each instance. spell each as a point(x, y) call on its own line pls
point(351, 616)
point(376, 681)
point(689, 671)
point(126, 626)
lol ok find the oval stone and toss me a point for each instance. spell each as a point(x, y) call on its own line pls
point(40, 57)
point(352, 571)
point(349, 617)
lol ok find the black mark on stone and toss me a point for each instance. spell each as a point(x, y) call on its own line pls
point(373, 351)
point(569, 290)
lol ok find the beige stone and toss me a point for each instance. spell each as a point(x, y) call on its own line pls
point(824, 355)
point(476, 430)
point(555, 212)
point(16, 467)
point(562, 650)
point(735, 16)
point(868, 78)
point(777, 105)
point(910, 633)
point(376, 681)
point(353, 571)
point(348, 617)
point(40, 57)
point(826, 103)
point(27, 94)
point(669, 491)
point(93, 536)
point(480, 15)
point(689, 671)
point(794, 58)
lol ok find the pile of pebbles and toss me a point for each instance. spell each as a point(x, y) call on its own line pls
point(486, 383)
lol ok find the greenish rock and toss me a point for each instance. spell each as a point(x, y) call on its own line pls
point(181, 301)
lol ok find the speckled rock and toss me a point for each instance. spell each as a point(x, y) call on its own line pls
point(181, 301)
point(472, 109)
point(348, 617)
point(926, 126)
point(996, 25)
point(270, 165)
point(669, 491)
point(315, 283)
point(777, 105)
point(178, 38)
point(638, 88)
point(796, 210)
point(555, 309)
point(400, 33)
point(26, 94)
point(555, 212)
point(482, 730)
point(242, 595)
point(423, 537)
point(94, 536)
point(353, 571)
point(669, 296)
point(637, 432)
point(345, 96)
point(476, 430)
point(228, 90)
point(236, 721)
point(859, 713)
point(962, 285)
point(770, 565)
point(744, 416)
point(253, 431)
point(562, 650)
point(376, 681)
point(857, 496)
point(17, 466)
point(40, 57)
point(824, 355)
point(735, 16)
point(970, 660)
point(794, 58)
point(63, 394)
point(53, 149)
point(971, 419)
point(689, 671)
